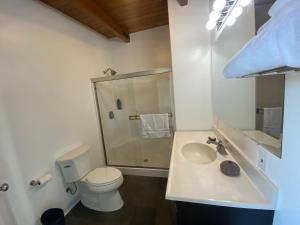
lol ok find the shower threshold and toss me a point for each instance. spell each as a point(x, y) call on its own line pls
point(148, 172)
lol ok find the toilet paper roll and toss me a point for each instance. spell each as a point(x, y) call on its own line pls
point(45, 179)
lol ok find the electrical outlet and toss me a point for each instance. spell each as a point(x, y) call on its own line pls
point(262, 157)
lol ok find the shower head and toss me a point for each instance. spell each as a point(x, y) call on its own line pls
point(112, 72)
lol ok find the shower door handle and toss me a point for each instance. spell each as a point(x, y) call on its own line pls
point(111, 115)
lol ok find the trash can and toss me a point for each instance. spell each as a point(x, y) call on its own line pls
point(53, 216)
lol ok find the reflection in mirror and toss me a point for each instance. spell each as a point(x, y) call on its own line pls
point(253, 105)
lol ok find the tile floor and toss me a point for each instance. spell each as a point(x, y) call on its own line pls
point(145, 204)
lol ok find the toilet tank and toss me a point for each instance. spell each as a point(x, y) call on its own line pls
point(75, 164)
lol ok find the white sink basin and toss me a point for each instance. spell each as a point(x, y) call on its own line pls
point(199, 153)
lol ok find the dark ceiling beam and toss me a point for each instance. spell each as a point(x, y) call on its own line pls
point(182, 2)
point(105, 19)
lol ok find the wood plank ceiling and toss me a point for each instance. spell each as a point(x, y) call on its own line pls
point(115, 18)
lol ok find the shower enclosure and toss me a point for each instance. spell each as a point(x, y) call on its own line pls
point(121, 99)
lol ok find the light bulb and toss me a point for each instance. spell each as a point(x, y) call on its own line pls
point(230, 21)
point(219, 5)
point(214, 15)
point(237, 11)
point(210, 25)
point(244, 2)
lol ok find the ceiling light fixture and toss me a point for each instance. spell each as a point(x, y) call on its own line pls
point(219, 5)
point(214, 15)
point(210, 25)
point(230, 21)
point(225, 12)
point(237, 11)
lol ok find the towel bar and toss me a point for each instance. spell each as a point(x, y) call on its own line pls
point(137, 117)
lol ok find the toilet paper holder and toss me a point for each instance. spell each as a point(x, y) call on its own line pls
point(34, 183)
point(41, 181)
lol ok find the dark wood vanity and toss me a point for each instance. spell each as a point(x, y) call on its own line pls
point(185, 213)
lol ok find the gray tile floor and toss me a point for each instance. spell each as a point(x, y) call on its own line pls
point(145, 204)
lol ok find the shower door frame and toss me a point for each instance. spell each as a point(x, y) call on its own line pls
point(126, 76)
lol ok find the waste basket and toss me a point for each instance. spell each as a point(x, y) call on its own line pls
point(54, 216)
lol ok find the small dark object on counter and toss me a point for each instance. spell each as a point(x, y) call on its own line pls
point(230, 168)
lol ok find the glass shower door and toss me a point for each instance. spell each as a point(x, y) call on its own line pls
point(152, 96)
point(121, 102)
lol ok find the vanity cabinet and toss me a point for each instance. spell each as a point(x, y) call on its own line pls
point(185, 213)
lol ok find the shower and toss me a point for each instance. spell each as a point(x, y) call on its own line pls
point(121, 102)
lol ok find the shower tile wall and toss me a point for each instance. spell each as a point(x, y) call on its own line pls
point(140, 95)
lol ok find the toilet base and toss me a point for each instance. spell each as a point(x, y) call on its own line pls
point(104, 201)
point(107, 202)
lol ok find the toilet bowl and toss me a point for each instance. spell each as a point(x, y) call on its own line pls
point(99, 189)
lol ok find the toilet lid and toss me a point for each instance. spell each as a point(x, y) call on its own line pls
point(102, 176)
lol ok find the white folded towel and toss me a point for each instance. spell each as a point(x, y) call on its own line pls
point(273, 117)
point(155, 125)
point(279, 6)
point(273, 121)
point(277, 44)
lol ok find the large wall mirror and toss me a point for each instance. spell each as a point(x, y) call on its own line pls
point(253, 105)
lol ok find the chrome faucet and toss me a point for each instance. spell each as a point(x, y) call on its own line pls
point(220, 147)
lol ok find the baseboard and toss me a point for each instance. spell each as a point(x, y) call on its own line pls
point(72, 205)
point(144, 172)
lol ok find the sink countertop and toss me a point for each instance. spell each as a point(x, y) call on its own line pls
point(273, 144)
point(204, 183)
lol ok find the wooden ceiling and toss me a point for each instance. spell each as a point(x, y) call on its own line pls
point(115, 18)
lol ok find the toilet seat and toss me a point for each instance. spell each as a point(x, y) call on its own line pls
point(103, 176)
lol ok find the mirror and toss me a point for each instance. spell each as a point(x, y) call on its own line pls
point(254, 105)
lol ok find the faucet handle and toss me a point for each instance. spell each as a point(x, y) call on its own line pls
point(212, 138)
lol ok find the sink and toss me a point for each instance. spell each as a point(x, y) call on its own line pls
point(199, 153)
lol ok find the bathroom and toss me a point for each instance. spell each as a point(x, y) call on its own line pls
point(83, 78)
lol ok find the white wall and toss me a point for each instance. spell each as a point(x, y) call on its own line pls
point(46, 62)
point(149, 49)
point(286, 171)
point(191, 64)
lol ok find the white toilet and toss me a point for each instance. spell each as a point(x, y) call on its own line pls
point(98, 188)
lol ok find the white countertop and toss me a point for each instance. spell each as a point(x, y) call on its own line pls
point(190, 182)
point(267, 141)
